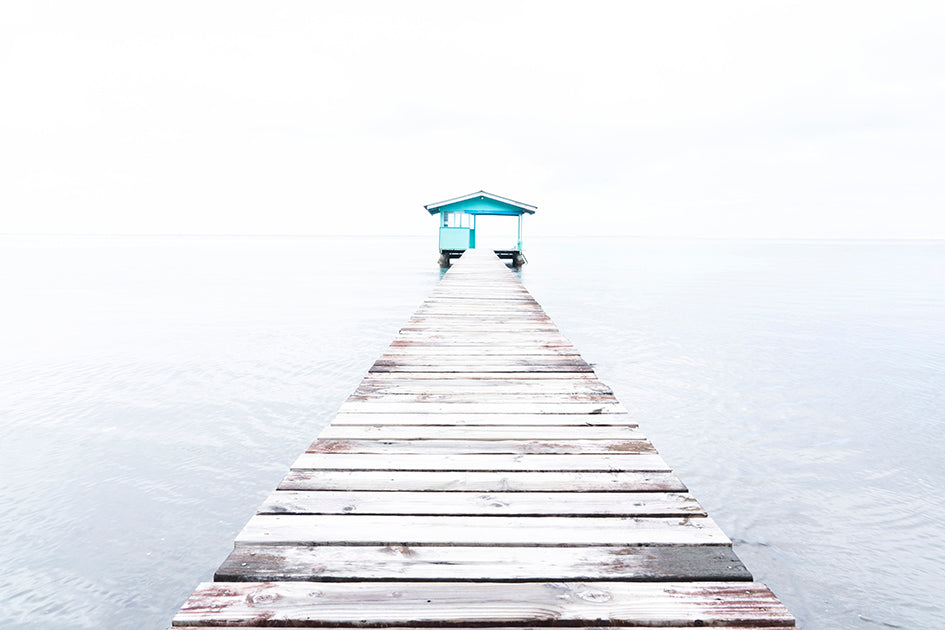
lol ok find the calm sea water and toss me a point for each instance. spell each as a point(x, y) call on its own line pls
point(154, 390)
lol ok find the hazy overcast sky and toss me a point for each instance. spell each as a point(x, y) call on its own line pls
point(686, 118)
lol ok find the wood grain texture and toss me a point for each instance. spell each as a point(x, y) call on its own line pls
point(491, 386)
point(481, 396)
point(481, 364)
point(468, 406)
point(428, 366)
point(674, 563)
point(602, 504)
point(385, 378)
point(484, 531)
point(379, 604)
point(585, 627)
point(636, 462)
point(468, 432)
point(473, 447)
point(425, 481)
point(473, 350)
point(516, 420)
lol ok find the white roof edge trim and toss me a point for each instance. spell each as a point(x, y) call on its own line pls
point(524, 206)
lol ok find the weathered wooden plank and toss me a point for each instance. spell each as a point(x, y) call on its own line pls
point(472, 349)
point(392, 401)
point(484, 368)
point(510, 381)
point(516, 336)
point(476, 531)
point(499, 290)
point(469, 319)
point(477, 327)
point(460, 276)
point(458, 344)
point(636, 462)
point(466, 362)
point(491, 386)
point(341, 431)
point(379, 604)
point(502, 297)
point(495, 293)
point(585, 627)
point(474, 447)
point(481, 289)
point(536, 315)
point(499, 419)
point(478, 287)
point(443, 307)
point(385, 406)
point(470, 302)
point(483, 322)
point(468, 284)
point(480, 361)
point(476, 481)
point(673, 563)
point(479, 377)
point(490, 294)
point(511, 337)
point(505, 354)
point(563, 390)
point(482, 503)
point(466, 310)
point(480, 329)
point(464, 300)
point(513, 324)
point(487, 289)
point(468, 305)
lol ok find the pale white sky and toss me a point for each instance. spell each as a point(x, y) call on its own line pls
point(779, 119)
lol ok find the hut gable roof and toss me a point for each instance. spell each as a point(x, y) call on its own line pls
point(508, 205)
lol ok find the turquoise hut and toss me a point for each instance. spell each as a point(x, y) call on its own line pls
point(458, 223)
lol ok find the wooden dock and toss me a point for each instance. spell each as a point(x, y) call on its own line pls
point(482, 476)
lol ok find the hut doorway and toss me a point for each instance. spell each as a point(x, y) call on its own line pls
point(497, 232)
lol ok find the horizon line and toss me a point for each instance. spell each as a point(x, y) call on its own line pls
point(538, 236)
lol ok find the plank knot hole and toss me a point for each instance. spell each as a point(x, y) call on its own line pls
point(595, 596)
point(257, 598)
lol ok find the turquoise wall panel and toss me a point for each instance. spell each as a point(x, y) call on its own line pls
point(455, 238)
